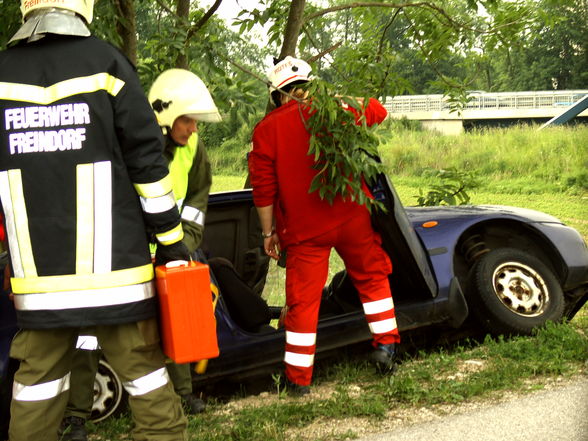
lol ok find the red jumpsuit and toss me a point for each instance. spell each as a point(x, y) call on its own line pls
point(308, 228)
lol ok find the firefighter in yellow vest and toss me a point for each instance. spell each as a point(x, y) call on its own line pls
point(83, 183)
point(180, 100)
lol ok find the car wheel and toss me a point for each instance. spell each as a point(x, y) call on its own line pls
point(110, 398)
point(512, 292)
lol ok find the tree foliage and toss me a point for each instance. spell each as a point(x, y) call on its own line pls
point(360, 48)
point(552, 53)
point(383, 48)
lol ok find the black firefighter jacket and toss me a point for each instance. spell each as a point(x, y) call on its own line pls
point(82, 183)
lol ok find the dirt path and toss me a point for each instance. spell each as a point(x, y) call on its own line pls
point(557, 413)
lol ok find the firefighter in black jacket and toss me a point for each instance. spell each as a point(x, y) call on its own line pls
point(82, 183)
point(180, 99)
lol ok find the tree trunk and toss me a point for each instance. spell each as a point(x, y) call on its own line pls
point(293, 27)
point(183, 13)
point(127, 28)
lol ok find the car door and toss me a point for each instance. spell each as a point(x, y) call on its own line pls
point(409, 257)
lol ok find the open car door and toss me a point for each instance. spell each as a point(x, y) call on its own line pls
point(410, 260)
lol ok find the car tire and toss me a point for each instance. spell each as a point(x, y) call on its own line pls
point(110, 398)
point(512, 292)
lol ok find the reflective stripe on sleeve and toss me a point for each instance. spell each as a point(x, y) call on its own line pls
point(300, 339)
point(172, 236)
point(300, 360)
point(378, 306)
point(158, 204)
point(55, 92)
point(154, 189)
point(193, 214)
point(86, 298)
point(87, 343)
point(147, 383)
point(40, 392)
point(383, 326)
point(13, 203)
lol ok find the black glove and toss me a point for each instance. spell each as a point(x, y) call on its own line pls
point(167, 253)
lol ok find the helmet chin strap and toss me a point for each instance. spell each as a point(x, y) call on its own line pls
point(51, 21)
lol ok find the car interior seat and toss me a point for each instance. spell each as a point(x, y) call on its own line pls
point(339, 296)
point(249, 310)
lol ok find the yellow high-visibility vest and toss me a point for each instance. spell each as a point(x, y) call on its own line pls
point(180, 166)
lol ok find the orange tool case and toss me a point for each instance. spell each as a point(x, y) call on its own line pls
point(188, 326)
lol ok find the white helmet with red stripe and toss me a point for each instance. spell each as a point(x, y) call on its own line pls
point(287, 72)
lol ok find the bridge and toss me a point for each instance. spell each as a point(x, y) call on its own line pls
point(484, 109)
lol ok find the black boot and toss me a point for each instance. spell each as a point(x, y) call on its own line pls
point(193, 404)
point(73, 429)
point(296, 390)
point(385, 358)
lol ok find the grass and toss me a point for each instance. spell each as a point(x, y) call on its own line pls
point(497, 365)
point(514, 160)
point(227, 182)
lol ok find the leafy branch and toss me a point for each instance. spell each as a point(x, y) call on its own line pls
point(453, 190)
point(344, 147)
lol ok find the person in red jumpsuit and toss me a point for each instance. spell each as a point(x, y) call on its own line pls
point(308, 227)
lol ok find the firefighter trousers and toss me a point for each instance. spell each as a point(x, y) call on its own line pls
point(83, 372)
point(307, 265)
point(132, 349)
point(81, 391)
point(181, 377)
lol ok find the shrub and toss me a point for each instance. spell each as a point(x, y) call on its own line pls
point(452, 191)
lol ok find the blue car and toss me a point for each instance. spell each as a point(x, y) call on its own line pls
point(503, 270)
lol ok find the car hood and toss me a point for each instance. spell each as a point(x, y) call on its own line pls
point(424, 214)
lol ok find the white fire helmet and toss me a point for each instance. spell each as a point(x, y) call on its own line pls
point(85, 8)
point(288, 71)
point(178, 92)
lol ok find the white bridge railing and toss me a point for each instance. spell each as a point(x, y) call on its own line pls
point(486, 100)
